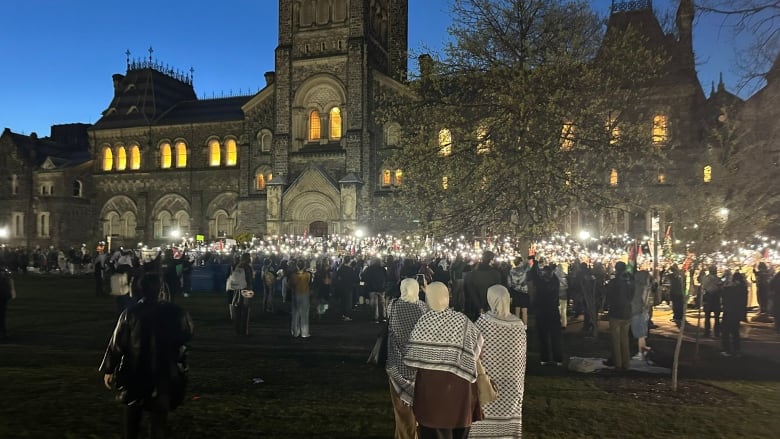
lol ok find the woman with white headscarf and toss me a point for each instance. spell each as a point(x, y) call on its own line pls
point(504, 358)
point(443, 348)
point(402, 314)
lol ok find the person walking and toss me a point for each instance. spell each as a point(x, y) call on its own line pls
point(504, 359)
point(402, 315)
point(619, 292)
point(146, 360)
point(300, 285)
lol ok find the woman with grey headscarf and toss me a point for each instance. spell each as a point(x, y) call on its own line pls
point(402, 314)
point(504, 358)
point(443, 348)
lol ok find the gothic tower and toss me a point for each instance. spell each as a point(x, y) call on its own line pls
point(328, 53)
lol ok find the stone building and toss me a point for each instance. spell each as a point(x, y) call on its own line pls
point(304, 154)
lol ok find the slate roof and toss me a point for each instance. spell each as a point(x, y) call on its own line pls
point(41, 148)
point(206, 110)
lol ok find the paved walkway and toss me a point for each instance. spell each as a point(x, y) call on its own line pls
point(758, 339)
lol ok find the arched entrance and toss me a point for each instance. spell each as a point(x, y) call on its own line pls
point(318, 229)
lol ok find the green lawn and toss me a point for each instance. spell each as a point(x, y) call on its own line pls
point(321, 387)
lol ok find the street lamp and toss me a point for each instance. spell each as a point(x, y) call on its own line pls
point(584, 235)
point(4, 233)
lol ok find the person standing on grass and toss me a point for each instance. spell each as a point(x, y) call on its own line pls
point(711, 299)
point(402, 314)
point(677, 295)
point(504, 359)
point(482, 277)
point(547, 315)
point(344, 283)
point(774, 286)
point(7, 292)
point(620, 291)
point(145, 360)
point(300, 284)
point(443, 348)
point(734, 298)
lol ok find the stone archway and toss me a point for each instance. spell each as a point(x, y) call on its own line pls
point(318, 229)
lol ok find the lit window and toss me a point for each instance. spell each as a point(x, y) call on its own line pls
point(567, 135)
point(335, 123)
point(314, 126)
point(708, 174)
point(214, 153)
point(660, 128)
point(387, 177)
point(260, 181)
point(445, 142)
point(445, 182)
point(108, 159)
point(483, 141)
point(165, 155)
point(614, 130)
point(399, 177)
point(613, 177)
point(661, 176)
point(135, 158)
point(181, 155)
point(121, 158)
point(231, 152)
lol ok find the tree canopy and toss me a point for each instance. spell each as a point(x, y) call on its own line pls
point(524, 115)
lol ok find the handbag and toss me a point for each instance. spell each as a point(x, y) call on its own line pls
point(378, 355)
point(488, 392)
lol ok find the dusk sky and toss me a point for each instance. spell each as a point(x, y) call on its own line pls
point(59, 55)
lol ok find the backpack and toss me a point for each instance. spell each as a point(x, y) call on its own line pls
point(269, 277)
point(237, 279)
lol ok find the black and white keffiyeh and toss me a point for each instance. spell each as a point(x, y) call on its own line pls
point(445, 340)
point(401, 318)
point(504, 358)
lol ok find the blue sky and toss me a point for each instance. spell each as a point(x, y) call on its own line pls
point(59, 55)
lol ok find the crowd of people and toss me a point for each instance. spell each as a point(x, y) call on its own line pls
point(446, 315)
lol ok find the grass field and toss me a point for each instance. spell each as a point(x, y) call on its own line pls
point(322, 388)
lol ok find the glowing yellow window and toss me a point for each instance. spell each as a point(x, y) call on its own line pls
point(387, 177)
point(399, 177)
point(445, 142)
point(231, 152)
point(108, 159)
point(214, 153)
point(614, 130)
point(660, 128)
point(708, 174)
point(661, 176)
point(260, 182)
point(135, 157)
point(181, 155)
point(121, 158)
point(445, 182)
point(335, 123)
point(613, 177)
point(165, 155)
point(567, 135)
point(314, 126)
point(484, 144)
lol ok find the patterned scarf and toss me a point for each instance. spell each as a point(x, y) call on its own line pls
point(447, 341)
point(401, 318)
point(504, 358)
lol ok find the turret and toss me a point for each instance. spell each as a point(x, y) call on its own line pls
point(685, 14)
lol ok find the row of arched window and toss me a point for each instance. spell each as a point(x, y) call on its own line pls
point(170, 156)
point(659, 132)
point(124, 225)
point(333, 122)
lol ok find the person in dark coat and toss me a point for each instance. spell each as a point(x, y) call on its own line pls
point(344, 284)
point(676, 295)
point(547, 313)
point(619, 294)
point(476, 285)
point(734, 296)
point(762, 276)
point(146, 361)
point(7, 292)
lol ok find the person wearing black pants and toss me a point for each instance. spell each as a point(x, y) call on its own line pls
point(734, 311)
point(676, 295)
point(7, 292)
point(548, 318)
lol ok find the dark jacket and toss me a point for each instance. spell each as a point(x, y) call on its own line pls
point(345, 279)
point(375, 278)
point(545, 302)
point(477, 284)
point(735, 299)
point(146, 354)
point(620, 291)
